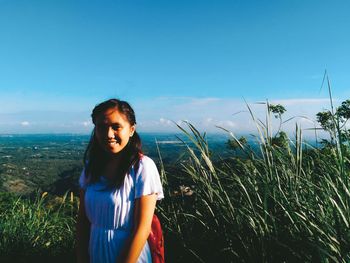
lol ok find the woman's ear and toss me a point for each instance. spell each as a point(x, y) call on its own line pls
point(132, 130)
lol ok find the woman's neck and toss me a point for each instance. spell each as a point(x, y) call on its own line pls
point(112, 166)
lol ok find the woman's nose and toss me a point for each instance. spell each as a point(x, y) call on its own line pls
point(110, 133)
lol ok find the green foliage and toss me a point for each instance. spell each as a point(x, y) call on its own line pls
point(324, 118)
point(235, 144)
point(39, 230)
point(281, 140)
point(334, 123)
point(343, 111)
point(286, 204)
point(277, 110)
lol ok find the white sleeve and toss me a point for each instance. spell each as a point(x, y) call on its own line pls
point(83, 180)
point(147, 179)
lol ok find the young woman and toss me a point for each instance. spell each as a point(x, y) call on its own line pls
point(119, 190)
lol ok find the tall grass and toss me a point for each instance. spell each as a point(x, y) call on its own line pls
point(37, 230)
point(284, 204)
point(288, 202)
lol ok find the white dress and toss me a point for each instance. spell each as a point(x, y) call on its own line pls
point(111, 211)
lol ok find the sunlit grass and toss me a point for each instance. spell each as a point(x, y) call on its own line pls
point(37, 230)
point(283, 204)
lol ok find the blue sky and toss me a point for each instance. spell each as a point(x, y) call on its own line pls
point(172, 60)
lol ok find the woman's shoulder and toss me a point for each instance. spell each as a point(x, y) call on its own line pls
point(147, 179)
point(146, 160)
point(146, 163)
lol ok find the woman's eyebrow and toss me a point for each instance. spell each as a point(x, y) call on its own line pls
point(116, 124)
point(106, 123)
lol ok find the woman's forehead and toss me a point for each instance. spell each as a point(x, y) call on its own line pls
point(112, 115)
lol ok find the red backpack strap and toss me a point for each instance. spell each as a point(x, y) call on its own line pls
point(156, 241)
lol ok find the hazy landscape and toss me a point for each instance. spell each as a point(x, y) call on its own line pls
point(272, 199)
point(53, 162)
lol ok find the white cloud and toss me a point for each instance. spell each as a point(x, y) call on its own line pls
point(86, 123)
point(229, 123)
point(25, 123)
point(164, 113)
point(165, 121)
point(232, 114)
point(303, 101)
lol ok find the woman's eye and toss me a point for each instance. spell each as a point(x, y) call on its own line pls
point(115, 127)
point(105, 127)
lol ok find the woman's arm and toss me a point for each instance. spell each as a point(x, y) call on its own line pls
point(144, 209)
point(83, 232)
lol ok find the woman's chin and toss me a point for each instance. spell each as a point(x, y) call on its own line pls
point(116, 149)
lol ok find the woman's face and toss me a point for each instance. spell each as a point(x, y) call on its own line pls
point(113, 131)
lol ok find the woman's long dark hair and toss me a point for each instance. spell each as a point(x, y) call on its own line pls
point(95, 158)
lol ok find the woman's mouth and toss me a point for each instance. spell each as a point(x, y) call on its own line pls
point(112, 142)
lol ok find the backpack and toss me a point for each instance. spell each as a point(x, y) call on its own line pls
point(156, 241)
